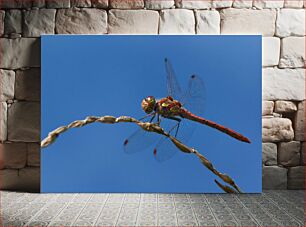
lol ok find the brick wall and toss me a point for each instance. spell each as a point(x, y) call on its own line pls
point(281, 22)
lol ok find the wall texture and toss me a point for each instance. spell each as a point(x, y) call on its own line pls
point(281, 22)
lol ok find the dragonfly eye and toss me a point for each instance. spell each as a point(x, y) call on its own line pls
point(148, 104)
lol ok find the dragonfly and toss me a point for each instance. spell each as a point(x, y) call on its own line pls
point(179, 107)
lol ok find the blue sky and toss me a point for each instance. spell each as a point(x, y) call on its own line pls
point(110, 75)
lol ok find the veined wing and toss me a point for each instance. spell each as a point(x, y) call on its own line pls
point(194, 98)
point(194, 101)
point(173, 88)
point(139, 141)
point(165, 149)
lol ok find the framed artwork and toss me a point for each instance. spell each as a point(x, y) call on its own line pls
point(151, 114)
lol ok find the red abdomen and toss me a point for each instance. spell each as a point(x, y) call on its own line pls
point(188, 115)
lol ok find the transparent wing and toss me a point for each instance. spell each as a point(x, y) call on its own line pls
point(139, 141)
point(194, 97)
point(165, 149)
point(194, 101)
point(173, 87)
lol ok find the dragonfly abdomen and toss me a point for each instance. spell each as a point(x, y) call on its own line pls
point(188, 115)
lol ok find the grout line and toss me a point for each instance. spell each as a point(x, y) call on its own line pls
point(120, 209)
point(138, 210)
point(194, 214)
point(230, 210)
point(282, 209)
point(37, 213)
point(157, 213)
point(81, 210)
point(156, 210)
point(247, 209)
point(213, 214)
point(267, 212)
point(174, 203)
point(250, 212)
point(61, 210)
point(101, 211)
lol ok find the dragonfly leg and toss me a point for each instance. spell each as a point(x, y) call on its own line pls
point(148, 115)
point(153, 117)
point(177, 126)
point(158, 119)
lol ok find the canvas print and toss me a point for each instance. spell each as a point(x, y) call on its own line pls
point(162, 114)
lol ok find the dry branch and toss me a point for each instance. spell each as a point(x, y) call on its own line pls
point(150, 127)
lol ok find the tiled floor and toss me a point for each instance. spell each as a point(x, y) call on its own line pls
point(271, 208)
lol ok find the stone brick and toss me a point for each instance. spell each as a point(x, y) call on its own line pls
point(293, 4)
point(159, 4)
point(267, 107)
point(299, 122)
point(248, 21)
point(177, 21)
point(9, 179)
point(274, 177)
point(269, 154)
point(126, 4)
point(289, 153)
point(290, 22)
point(293, 52)
point(99, 3)
point(303, 160)
point(283, 84)
point(296, 177)
point(20, 53)
point(27, 85)
point(3, 121)
point(38, 22)
point(2, 15)
point(242, 4)
point(192, 4)
point(261, 4)
point(13, 21)
point(277, 129)
point(7, 81)
point(13, 155)
point(208, 22)
point(270, 51)
point(24, 122)
point(80, 3)
point(26, 179)
point(139, 22)
point(81, 21)
point(221, 3)
point(33, 158)
point(56, 4)
point(15, 4)
point(38, 3)
point(285, 106)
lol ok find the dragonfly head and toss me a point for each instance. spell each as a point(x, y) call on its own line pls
point(148, 104)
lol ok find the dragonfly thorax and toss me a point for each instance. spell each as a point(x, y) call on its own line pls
point(148, 104)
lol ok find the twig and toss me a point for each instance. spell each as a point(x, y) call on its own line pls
point(150, 127)
point(225, 187)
